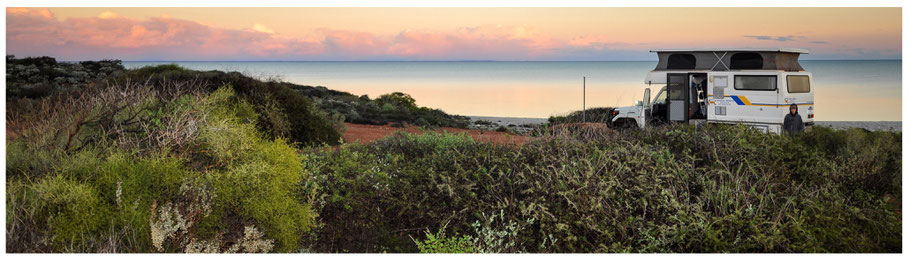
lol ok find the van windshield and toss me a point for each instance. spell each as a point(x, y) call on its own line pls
point(661, 97)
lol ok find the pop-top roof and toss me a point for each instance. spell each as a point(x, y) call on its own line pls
point(728, 59)
point(783, 50)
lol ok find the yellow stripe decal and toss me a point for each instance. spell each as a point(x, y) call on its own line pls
point(746, 102)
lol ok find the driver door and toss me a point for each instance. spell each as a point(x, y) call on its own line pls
point(645, 109)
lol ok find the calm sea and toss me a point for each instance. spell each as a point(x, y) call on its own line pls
point(844, 90)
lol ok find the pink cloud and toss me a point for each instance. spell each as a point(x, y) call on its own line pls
point(110, 35)
point(353, 43)
point(38, 32)
point(481, 42)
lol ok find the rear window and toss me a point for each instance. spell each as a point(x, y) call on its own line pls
point(755, 82)
point(798, 83)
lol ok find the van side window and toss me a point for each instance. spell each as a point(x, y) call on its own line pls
point(746, 61)
point(681, 61)
point(797, 83)
point(755, 82)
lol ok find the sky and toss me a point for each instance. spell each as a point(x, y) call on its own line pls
point(440, 34)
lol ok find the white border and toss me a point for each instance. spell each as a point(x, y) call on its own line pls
point(465, 3)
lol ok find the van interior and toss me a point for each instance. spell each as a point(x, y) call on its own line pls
point(687, 97)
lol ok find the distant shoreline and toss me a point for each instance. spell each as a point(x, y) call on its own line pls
point(435, 61)
point(868, 125)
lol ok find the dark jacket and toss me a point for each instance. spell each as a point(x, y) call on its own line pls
point(793, 123)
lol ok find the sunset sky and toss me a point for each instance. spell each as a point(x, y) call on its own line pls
point(507, 34)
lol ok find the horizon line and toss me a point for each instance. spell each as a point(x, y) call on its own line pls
point(432, 61)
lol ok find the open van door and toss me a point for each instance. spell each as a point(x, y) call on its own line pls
point(678, 97)
point(645, 109)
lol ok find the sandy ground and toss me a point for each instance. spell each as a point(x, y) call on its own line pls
point(506, 121)
point(868, 125)
point(518, 125)
point(368, 133)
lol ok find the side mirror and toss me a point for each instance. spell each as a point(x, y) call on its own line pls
point(638, 103)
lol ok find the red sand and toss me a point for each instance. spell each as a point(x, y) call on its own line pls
point(369, 133)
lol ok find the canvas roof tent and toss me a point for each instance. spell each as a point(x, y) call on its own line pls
point(782, 59)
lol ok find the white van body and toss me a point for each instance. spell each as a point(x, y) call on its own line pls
point(718, 94)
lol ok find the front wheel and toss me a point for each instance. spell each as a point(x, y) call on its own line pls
point(657, 122)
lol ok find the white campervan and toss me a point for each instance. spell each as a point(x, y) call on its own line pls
point(749, 86)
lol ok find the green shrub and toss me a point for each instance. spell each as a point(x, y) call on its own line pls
point(263, 189)
point(23, 161)
point(116, 193)
point(284, 112)
point(493, 234)
point(71, 209)
point(396, 108)
point(163, 70)
point(673, 189)
point(272, 116)
point(594, 115)
point(260, 177)
point(353, 184)
point(440, 243)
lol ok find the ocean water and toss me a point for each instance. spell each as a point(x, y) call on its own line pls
point(844, 90)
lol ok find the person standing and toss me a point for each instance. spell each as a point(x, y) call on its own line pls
point(793, 122)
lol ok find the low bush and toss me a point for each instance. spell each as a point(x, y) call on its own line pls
point(593, 115)
point(260, 178)
point(673, 189)
point(125, 188)
point(440, 243)
point(305, 114)
point(285, 113)
point(395, 107)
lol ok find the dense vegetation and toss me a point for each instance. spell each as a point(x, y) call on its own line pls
point(594, 115)
point(284, 112)
point(303, 114)
point(185, 161)
point(396, 108)
point(675, 189)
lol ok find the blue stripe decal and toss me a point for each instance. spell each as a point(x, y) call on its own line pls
point(807, 103)
point(738, 101)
